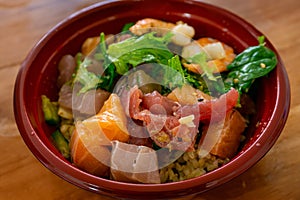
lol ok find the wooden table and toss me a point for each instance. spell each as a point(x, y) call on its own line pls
point(24, 22)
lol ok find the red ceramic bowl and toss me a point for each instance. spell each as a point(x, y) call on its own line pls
point(38, 76)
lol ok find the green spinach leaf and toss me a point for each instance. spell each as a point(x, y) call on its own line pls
point(252, 63)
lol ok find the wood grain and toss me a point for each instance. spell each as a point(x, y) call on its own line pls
point(24, 22)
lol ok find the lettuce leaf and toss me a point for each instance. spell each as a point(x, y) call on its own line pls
point(174, 73)
point(90, 80)
point(137, 50)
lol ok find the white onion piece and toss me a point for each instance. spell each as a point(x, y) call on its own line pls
point(183, 34)
point(185, 29)
point(215, 50)
point(191, 50)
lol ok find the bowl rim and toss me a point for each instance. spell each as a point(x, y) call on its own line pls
point(77, 177)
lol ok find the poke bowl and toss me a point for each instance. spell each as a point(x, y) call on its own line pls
point(126, 146)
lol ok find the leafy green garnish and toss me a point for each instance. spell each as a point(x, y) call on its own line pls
point(127, 26)
point(261, 40)
point(196, 80)
point(208, 81)
point(109, 67)
point(90, 80)
point(118, 58)
point(252, 63)
point(174, 73)
point(137, 50)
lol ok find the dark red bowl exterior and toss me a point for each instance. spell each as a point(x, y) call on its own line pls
point(38, 75)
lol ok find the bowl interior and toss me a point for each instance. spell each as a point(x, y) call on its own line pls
point(39, 73)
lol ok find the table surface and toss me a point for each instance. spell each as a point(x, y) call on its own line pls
point(22, 176)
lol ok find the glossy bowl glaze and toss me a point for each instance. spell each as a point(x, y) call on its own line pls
point(38, 76)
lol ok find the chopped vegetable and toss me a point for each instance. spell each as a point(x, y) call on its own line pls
point(66, 128)
point(50, 111)
point(61, 143)
point(65, 113)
